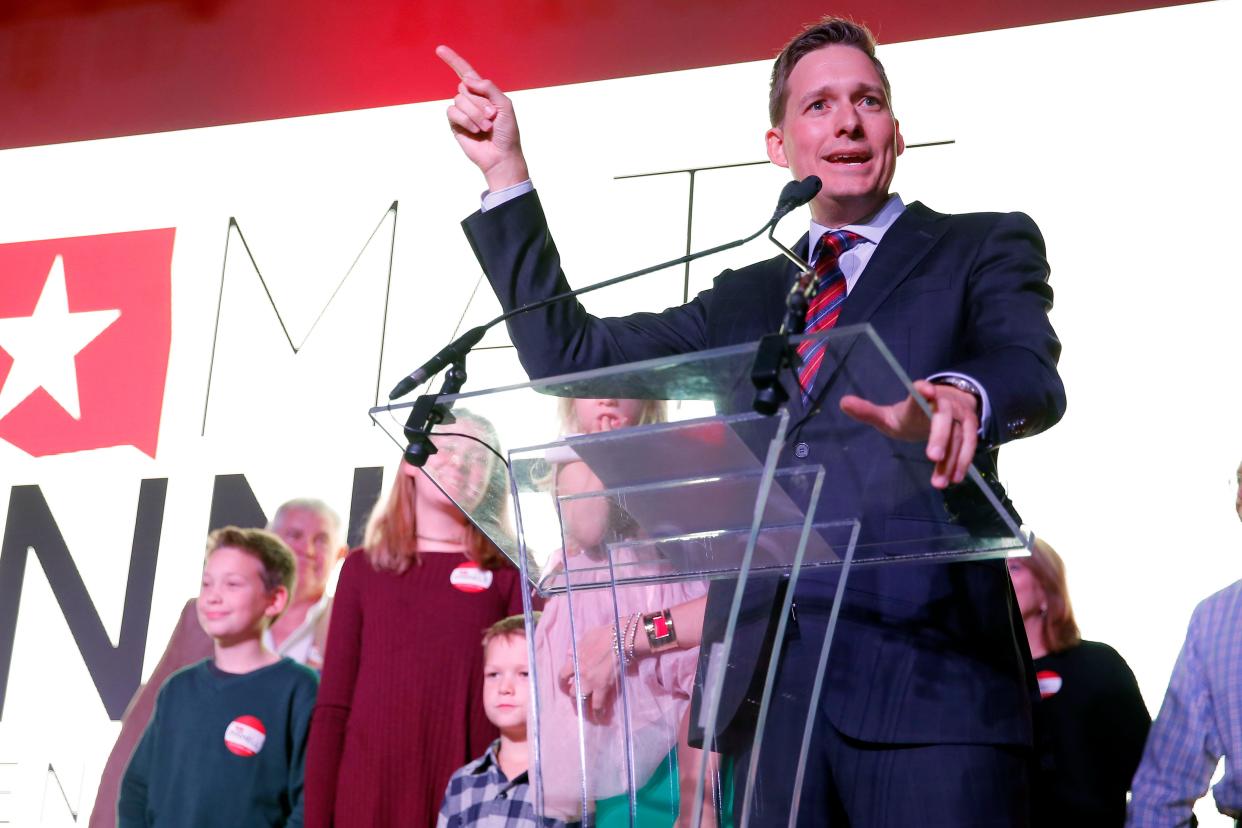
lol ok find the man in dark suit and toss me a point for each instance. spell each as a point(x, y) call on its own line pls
point(925, 716)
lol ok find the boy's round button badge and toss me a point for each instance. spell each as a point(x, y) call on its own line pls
point(245, 736)
point(470, 577)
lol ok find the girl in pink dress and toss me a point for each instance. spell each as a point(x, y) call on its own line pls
point(582, 749)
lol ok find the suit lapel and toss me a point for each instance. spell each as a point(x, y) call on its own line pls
point(904, 246)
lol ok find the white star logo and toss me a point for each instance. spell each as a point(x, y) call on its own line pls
point(45, 344)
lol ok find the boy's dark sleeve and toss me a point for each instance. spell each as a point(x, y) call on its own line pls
point(303, 705)
point(131, 806)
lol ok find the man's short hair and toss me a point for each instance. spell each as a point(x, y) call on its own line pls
point(830, 31)
point(280, 567)
point(506, 627)
point(313, 505)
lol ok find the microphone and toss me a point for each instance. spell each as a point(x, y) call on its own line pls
point(794, 195)
point(454, 351)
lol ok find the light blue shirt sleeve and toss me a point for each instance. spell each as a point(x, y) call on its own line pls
point(492, 200)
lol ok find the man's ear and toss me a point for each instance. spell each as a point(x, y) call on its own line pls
point(277, 600)
point(901, 142)
point(775, 140)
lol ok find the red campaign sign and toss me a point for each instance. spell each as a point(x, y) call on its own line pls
point(85, 326)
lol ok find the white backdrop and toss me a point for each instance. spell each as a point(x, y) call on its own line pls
point(1113, 133)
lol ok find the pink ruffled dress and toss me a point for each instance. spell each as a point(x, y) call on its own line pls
point(581, 754)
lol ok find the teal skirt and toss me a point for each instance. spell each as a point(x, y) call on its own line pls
point(659, 799)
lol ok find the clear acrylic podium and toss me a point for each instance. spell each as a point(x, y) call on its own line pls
point(697, 504)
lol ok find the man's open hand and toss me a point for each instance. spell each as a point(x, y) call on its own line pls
point(483, 121)
point(952, 433)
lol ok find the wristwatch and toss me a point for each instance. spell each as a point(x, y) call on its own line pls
point(963, 384)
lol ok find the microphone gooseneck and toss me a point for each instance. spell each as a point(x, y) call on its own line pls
point(794, 195)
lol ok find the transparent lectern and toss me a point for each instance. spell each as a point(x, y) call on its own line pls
point(654, 486)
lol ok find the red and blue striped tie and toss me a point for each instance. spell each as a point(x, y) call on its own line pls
point(825, 308)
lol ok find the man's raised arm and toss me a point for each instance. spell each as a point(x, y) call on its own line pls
point(485, 126)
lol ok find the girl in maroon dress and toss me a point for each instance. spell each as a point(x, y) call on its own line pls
point(400, 700)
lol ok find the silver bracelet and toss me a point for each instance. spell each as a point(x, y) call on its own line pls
point(631, 631)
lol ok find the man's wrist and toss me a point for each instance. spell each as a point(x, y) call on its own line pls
point(983, 404)
point(963, 384)
point(506, 174)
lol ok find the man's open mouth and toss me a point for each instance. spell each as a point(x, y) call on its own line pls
point(849, 158)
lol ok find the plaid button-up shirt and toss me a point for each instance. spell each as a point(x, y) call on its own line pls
point(479, 795)
point(1200, 721)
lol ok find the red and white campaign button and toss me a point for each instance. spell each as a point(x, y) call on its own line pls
point(1049, 683)
point(470, 577)
point(245, 736)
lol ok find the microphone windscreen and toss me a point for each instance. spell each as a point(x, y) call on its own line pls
point(797, 193)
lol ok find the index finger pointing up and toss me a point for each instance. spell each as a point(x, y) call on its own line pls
point(456, 62)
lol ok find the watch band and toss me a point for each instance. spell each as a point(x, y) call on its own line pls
point(963, 384)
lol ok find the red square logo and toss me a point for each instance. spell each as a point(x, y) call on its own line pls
point(85, 325)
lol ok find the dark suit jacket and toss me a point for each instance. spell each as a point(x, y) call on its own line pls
point(923, 653)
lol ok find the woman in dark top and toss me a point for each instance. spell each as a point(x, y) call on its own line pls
point(400, 702)
point(1091, 721)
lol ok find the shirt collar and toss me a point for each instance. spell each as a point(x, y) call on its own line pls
point(491, 760)
point(303, 630)
point(313, 614)
point(320, 606)
point(871, 228)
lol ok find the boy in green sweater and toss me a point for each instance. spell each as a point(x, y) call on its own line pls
point(228, 738)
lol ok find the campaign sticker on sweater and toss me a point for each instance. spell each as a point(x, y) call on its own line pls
point(470, 577)
point(245, 736)
point(1049, 683)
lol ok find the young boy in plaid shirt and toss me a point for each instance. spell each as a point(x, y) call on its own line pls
point(494, 790)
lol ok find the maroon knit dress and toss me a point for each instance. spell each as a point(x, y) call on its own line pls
point(400, 702)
